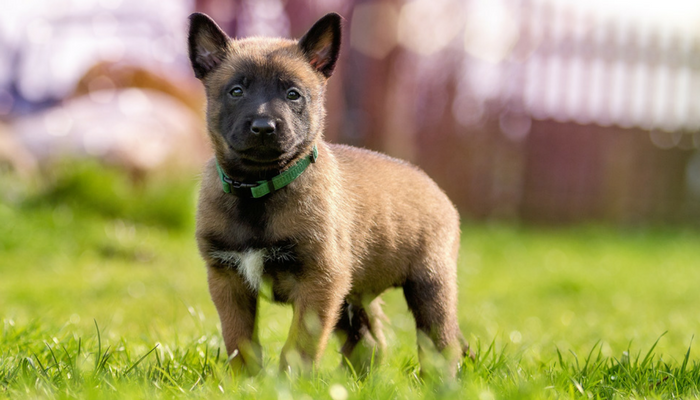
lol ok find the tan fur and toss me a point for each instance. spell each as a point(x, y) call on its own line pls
point(360, 222)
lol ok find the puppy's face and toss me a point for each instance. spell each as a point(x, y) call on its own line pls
point(264, 96)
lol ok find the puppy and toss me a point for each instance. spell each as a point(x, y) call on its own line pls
point(329, 226)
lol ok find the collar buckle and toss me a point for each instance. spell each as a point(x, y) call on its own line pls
point(240, 185)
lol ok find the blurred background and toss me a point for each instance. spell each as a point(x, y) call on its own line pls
point(546, 111)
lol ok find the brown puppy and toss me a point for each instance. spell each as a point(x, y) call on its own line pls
point(329, 226)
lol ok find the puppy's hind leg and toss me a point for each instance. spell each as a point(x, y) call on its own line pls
point(360, 330)
point(432, 298)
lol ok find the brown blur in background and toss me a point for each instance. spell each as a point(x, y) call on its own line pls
point(548, 111)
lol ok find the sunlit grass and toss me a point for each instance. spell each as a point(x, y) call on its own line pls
point(103, 295)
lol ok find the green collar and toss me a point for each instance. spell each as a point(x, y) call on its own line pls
point(262, 188)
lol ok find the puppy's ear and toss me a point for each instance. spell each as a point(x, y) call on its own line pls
point(207, 44)
point(321, 44)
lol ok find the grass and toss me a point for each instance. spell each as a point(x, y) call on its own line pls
point(103, 295)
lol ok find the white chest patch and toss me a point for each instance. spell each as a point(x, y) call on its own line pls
point(249, 264)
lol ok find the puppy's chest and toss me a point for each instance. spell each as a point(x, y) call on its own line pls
point(281, 264)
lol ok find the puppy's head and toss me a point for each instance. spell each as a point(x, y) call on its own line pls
point(264, 96)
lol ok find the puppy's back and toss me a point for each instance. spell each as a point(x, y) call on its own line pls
point(400, 214)
point(385, 181)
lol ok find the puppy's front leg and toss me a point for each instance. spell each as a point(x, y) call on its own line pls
point(316, 309)
point(237, 307)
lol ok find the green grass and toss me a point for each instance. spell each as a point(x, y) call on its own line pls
point(103, 295)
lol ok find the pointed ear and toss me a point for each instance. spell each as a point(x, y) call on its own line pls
point(321, 44)
point(207, 44)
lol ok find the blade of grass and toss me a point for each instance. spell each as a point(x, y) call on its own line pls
point(649, 355)
point(139, 360)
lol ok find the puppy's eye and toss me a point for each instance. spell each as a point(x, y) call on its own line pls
point(293, 95)
point(237, 91)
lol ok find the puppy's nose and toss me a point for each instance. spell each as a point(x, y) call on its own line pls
point(263, 126)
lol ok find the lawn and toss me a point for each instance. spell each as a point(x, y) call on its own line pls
point(103, 295)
